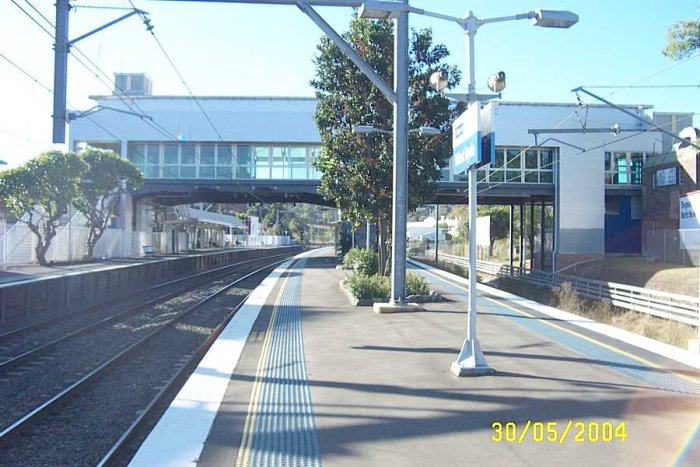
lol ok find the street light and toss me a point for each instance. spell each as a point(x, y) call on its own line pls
point(471, 361)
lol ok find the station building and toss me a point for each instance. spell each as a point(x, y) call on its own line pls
point(253, 149)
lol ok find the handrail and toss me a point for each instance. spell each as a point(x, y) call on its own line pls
point(666, 305)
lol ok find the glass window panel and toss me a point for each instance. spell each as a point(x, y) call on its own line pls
point(136, 153)
point(546, 159)
point(636, 163)
point(513, 158)
point(187, 154)
point(462, 177)
point(531, 177)
point(298, 173)
point(297, 155)
point(262, 171)
point(170, 171)
point(530, 159)
point(243, 154)
point(546, 177)
point(495, 176)
point(499, 158)
point(206, 171)
point(224, 172)
point(608, 179)
point(223, 154)
point(277, 173)
point(513, 176)
point(279, 155)
point(170, 154)
point(480, 176)
point(621, 167)
point(153, 154)
point(262, 155)
point(608, 158)
point(314, 174)
point(206, 154)
point(187, 171)
point(152, 171)
point(244, 172)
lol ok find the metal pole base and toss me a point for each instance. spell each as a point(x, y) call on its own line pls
point(471, 361)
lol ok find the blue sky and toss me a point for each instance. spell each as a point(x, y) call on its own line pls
point(267, 50)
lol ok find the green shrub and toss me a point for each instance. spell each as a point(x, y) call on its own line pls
point(416, 284)
point(363, 286)
point(362, 261)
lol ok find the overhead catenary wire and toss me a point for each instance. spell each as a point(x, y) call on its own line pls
point(149, 28)
point(108, 82)
point(44, 86)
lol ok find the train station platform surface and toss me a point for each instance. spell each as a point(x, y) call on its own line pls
point(25, 272)
point(301, 377)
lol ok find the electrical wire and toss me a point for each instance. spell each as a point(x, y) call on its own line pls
point(108, 82)
point(557, 161)
point(27, 74)
point(149, 28)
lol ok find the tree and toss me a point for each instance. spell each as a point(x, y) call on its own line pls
point(357, 169)
point(107, 176)
point(39, 192)
point(683, 39)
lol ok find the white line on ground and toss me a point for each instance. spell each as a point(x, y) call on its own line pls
point(651, 345)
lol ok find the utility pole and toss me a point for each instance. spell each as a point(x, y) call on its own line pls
point(60, 71)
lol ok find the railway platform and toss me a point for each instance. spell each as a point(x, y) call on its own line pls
point(302, 377)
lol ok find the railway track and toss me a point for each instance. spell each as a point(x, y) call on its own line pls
point(191, 324)
point(22, 342)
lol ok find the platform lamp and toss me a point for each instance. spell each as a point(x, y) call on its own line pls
point(470, 361)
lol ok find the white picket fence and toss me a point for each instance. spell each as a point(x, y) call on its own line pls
point(18, 242)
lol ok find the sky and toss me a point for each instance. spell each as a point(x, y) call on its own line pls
point(263, 50)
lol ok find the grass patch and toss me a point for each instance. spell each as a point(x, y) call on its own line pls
point(565, 298)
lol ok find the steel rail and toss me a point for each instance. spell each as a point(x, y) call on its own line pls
point(37, 412)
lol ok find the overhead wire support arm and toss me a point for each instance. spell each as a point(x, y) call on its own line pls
point(636, 117)
point(106, 25)
point(97, 108)
point(338, 40)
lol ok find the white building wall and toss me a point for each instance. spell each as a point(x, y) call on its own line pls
point(580, 177)
point(237, 119)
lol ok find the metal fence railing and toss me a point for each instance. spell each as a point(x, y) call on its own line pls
point(674, 246)
point(675, 307)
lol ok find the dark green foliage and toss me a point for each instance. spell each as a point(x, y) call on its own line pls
point(362, 261)
point(107, 176)
point(357, 169)
point(366, 287)
point(416, 284)
point(42, 189)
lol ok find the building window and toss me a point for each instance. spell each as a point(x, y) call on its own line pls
point(262, 162)
point(152, 161)
point(207, 161)
point(224, 161)
point(624, 168)
point(244, 162)
point(188, 161)
point(171, 161)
